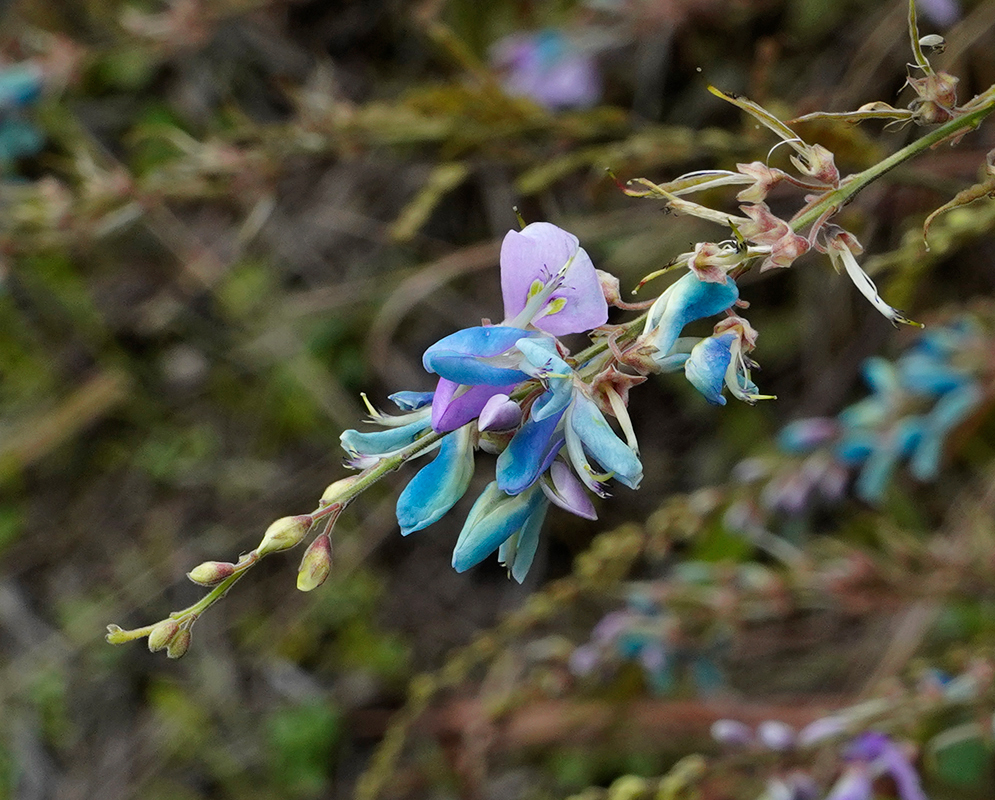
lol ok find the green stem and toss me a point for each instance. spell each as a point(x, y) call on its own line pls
point(837, 198)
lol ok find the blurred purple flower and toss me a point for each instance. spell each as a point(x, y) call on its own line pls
point(549, 68)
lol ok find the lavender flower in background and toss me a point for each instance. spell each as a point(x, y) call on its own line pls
point(549, 68)
point(647, 634)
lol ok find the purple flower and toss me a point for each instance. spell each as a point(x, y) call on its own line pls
point(548, 68)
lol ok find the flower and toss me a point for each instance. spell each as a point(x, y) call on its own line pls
point(438, 486)
point(719, 361)
point(549, 68)
point(684, 301)
point(841, 247)
point(499, 520)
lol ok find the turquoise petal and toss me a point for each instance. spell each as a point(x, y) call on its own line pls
point(706, 368)
point(494, 518)
point(439, 485)
point(601, 442)
point(685, 301)
point(376, 443)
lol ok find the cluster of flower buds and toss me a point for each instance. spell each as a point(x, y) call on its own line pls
point(647, 634)
point(514, 390)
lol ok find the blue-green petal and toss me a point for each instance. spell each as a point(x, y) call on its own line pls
point(439, 485)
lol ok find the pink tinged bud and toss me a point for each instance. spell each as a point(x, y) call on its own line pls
point(211, 573)
point(179, 644)
point(283, 534)
point(500, 413)
point(609, 287)
point(162, 634)
point(335, 490)
point(765, 178)
point(316, 564)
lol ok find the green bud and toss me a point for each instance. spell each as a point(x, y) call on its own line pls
point(316, 564)
point(162, 634)
point(334, 490)
point(211, 573)
point(179, 644)
point(283, 534)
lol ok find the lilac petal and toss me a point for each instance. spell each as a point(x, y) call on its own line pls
point(460, 356)
point(494, 518)
point(451, 411)
point(528, 453)
point(568, 492)
point(411, 401)
point(583, 660)
point(706, 368)
point(731, 732)
point(902, 772)
point(820, 730)
point(588, 424)
point(684, 301)
point(439, 485)
point(536, 254)
point(855, 784)
point(776, 735)
point(805, 435)
point(500, 413)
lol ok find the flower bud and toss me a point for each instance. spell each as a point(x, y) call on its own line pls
point(334, 490)
point(211, 573)
point(283, 534)
point(179, 644)
point(162, 634)
point(316, 564)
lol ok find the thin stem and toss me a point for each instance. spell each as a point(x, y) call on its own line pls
point(837, 198)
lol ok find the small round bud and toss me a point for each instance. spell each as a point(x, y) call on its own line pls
point(179, 644)
point(334, 490)
point(211, 573)
point(315, 565)
point(283, 534)
point(162, 634)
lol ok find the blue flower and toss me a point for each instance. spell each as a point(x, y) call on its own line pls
point(686, 300)
point(720, 362)
point(494, 519)
point(439, 485)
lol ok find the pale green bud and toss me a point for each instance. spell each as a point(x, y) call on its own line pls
point(334, 490)
point(162, 634)
point(211, 573)
point(283, 534)
point(316, 564)
point(179, 644)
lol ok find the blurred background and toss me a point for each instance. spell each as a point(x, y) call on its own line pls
point(222, 220)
